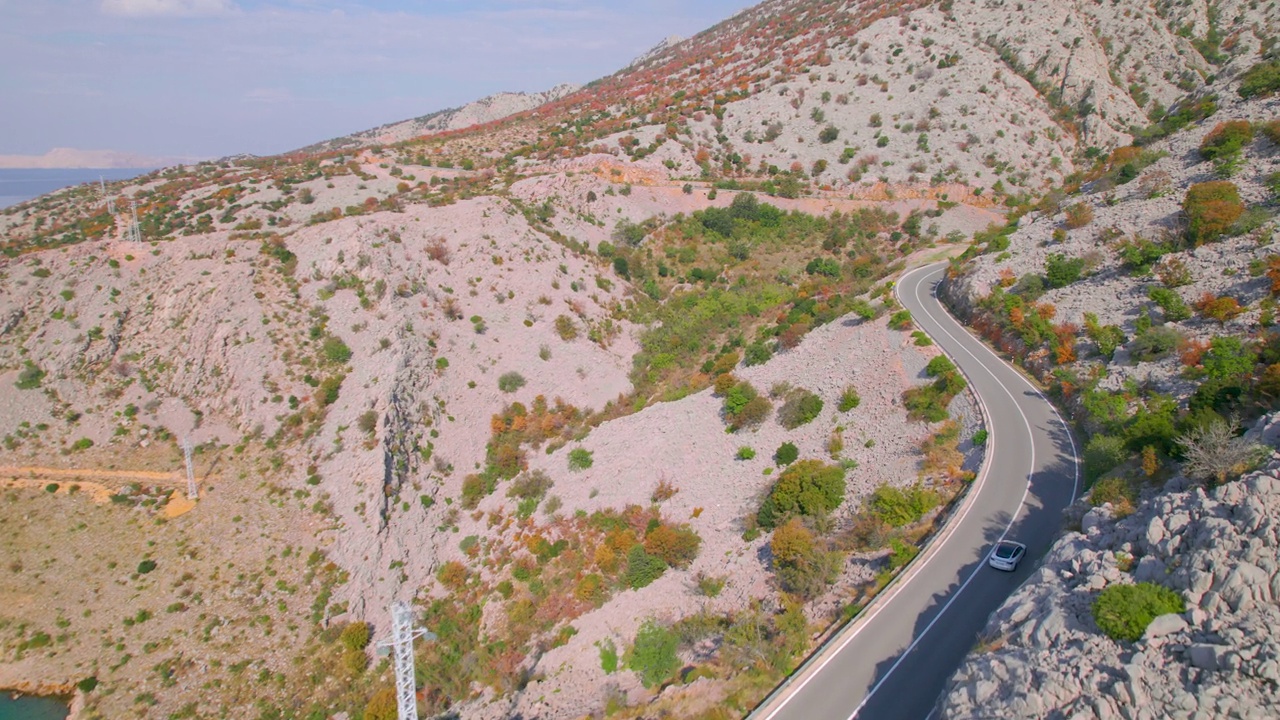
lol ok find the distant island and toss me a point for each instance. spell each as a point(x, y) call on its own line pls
point(59, 158)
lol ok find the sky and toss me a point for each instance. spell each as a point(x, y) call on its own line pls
point(210, 78)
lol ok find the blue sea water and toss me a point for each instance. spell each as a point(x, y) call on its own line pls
point(31, 708)
point(17, 185)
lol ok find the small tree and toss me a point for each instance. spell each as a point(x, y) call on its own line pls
point(653, 656)
point(1214, 452)
point(786, 454)
point(808, 487)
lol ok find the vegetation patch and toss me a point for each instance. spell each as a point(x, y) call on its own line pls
point(808, 487)
point(1123, 612)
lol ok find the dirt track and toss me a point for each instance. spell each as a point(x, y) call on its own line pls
point(99, 484)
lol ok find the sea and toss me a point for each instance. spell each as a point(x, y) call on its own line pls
point(17, 185)
point(28, 707)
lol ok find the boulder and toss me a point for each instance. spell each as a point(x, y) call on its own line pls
point(1165, 625)
point(1205, 656)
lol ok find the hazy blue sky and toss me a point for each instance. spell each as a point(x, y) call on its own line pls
point(205, 78)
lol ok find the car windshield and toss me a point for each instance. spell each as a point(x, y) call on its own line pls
point(1006, 550)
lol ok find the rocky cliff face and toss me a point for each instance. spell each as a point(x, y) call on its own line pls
point(1043, 655)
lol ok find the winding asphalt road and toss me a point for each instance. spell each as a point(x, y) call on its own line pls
point(894, 660)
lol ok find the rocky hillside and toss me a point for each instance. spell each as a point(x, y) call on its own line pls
point(1042, 654)
point(578, 381)
point(1142, 293)
point(480, 112)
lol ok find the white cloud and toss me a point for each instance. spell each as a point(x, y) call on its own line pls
point(167, 8)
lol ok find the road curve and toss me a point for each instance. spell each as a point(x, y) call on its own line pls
point(894, 660)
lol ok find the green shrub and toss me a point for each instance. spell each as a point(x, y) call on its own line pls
point(1061, 271)
point(823, 266)
point(511, 381)
point(355, 636)
point(1170, 302)
point(802, 567)
point(925, 403)
point(1154, 343)
point(30, 376)
point(329, 389)
point(52, 488)
point(1212, 208)
point(940, 365)
point(757, 353)
point(146, 566)
point(88, 684)
point(809, 487)
point(528, 485)
point(608, 656)
point(566, 328)
point(828, 134)
point(849, 399)
point(1123, 612)
point(1226, 139)
point(1117, 491)
point(980, 437)
point(746, 453)
point(653, 655)
point(800, 408)
point(710, 586)
point(643, 568)
point(1106, 337)
point(473, 490)
point(929, 402)
point(901, 553)
point(82, 444)
point(580, 459)
point(335, 350)
point(900, 320)
point(1101, 454)
point(745, 407)
point(898, 507)
point(1260, 80)
point(786, 454)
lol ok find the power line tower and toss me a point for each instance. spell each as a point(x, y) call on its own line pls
point(135, 231)
point(187, 449)
point(111, 202)
point(403, 634)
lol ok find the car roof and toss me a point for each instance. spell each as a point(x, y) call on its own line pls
point(1008, 547)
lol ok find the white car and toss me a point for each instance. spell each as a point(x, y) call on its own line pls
point(1007, 555)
